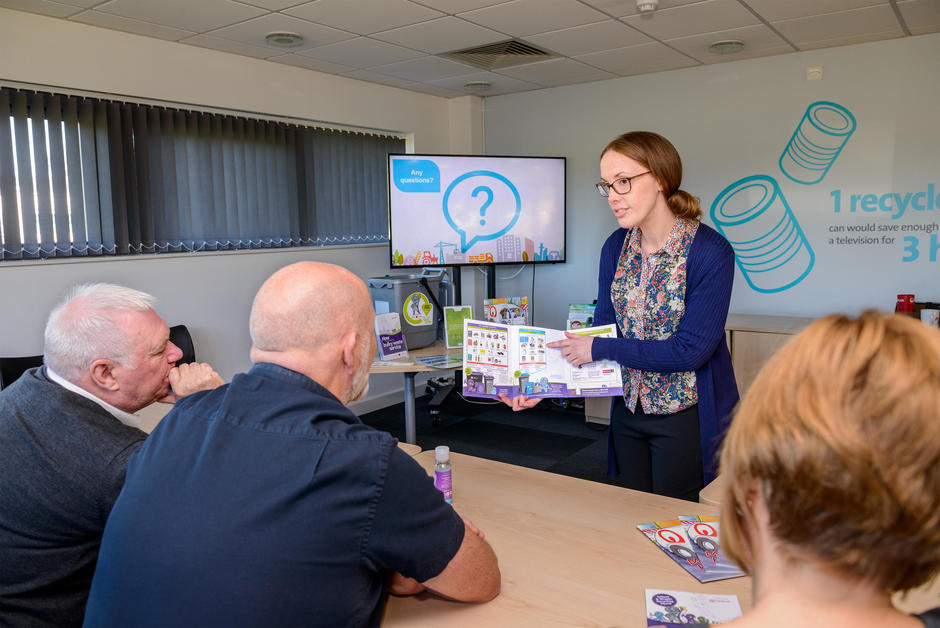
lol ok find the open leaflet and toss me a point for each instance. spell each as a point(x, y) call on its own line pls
point(515, 360)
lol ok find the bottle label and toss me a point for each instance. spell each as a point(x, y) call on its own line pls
point(442, 482)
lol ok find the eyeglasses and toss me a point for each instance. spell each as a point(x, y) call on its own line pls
point(621, 185)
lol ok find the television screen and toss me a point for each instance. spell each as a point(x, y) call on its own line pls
point(462, 209)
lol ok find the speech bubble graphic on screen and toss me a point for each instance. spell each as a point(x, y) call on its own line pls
point(416, 175)
point(481, 205)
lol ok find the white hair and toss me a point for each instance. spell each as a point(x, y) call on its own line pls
point(82, 327)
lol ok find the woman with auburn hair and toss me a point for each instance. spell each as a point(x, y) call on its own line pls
point(832, 471)
point(665, 280)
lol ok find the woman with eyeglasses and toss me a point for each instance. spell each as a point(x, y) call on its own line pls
point(665, 280)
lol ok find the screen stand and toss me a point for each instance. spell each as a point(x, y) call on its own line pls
point(490, 281)
point(455, 272)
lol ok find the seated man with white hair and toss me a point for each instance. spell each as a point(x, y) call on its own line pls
point(67, 430)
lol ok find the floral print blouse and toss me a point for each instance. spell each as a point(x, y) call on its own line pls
point(648, 294)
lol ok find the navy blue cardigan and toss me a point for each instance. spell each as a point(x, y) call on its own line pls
point(699, 342)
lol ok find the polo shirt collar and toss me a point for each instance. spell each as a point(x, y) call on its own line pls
point(279, 373)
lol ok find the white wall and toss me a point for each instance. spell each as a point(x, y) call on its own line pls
point(211, 293)
point(731, 121)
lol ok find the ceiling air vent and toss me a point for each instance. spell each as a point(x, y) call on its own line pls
point(502, 54)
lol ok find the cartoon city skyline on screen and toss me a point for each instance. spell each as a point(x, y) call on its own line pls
point(456, 210)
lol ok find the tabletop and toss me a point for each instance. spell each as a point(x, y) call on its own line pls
point(568, 550)
point(408, 365)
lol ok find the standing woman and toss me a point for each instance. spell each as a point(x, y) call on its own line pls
point(665, 279)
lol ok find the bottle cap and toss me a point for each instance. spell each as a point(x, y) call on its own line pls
point(441, 453)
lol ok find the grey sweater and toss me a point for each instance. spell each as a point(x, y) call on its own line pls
point(62, 464)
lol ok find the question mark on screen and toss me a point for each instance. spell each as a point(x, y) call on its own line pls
point(489, 200)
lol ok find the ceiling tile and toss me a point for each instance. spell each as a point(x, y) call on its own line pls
point(456, 6)
point(364, 16)
point(758, 41)
point(441, 35)
point(312, 64)
point(774, 10)
point(436, 90)
point(253, 32)
point(579, 40)
point(274, 5)
point(234, 47)
point(557, 72)
point(520, 18)
point(42, 7)
point(362, 52)
point(693, 19)
point(199, 17)
point(85, 4)
point(623, 8)
point(126, 24)
point(424, 69)
point(843, 27)
point(921, 16)
point(642, 59)
point(378, 77)
point(499, 84)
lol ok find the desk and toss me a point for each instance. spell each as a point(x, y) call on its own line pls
point(568, 549)
point(712, 492)
point(408, 367)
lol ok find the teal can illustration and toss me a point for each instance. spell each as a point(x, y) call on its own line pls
point(817, 141)
point(769, 245)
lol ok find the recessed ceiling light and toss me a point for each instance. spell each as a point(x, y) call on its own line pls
point(726, 46)
point(478, 86)
point(283, 39)
point(645, 6)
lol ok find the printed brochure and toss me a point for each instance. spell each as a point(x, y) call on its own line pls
point(693, 542)
point(516, 360)
point(681, 608)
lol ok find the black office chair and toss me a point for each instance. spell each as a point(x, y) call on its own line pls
point(179, 336)
point(12, 368)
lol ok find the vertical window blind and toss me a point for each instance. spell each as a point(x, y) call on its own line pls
point(85, 176)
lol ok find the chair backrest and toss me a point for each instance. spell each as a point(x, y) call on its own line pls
point(12, 368)
point(179, 335)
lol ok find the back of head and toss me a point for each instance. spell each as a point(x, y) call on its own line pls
point(304, 306)
point(841, 430)
point(660, 157)
point(83, 327)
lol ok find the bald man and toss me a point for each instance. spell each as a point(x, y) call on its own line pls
point(268, 503)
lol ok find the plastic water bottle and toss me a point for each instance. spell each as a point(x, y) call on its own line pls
point(442, 479)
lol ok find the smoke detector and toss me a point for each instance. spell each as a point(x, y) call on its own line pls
point(726, 46)
point(645, 6)
point(283, 39)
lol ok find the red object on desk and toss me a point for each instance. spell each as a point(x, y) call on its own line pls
point(905, 304)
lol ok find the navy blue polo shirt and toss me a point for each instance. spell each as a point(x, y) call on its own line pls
point(266, 502)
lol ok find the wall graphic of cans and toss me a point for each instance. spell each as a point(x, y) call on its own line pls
point(816, 142)
point(770, 248)
point(752, 213)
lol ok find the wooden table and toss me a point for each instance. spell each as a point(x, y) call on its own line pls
point(568, 549)
point(408, 367)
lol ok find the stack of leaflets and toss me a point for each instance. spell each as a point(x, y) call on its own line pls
point(679, 608)
point(580, 315)
point(390, 339)
point(693, 542)
point(516, 360)
point(507, 310)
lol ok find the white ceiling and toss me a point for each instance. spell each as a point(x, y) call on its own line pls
point(396, 42)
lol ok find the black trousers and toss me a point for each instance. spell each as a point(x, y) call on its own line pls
point(658, 453)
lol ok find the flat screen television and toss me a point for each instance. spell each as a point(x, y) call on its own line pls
point(472, 209)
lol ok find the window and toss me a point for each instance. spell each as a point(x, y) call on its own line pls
point(85, 176)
